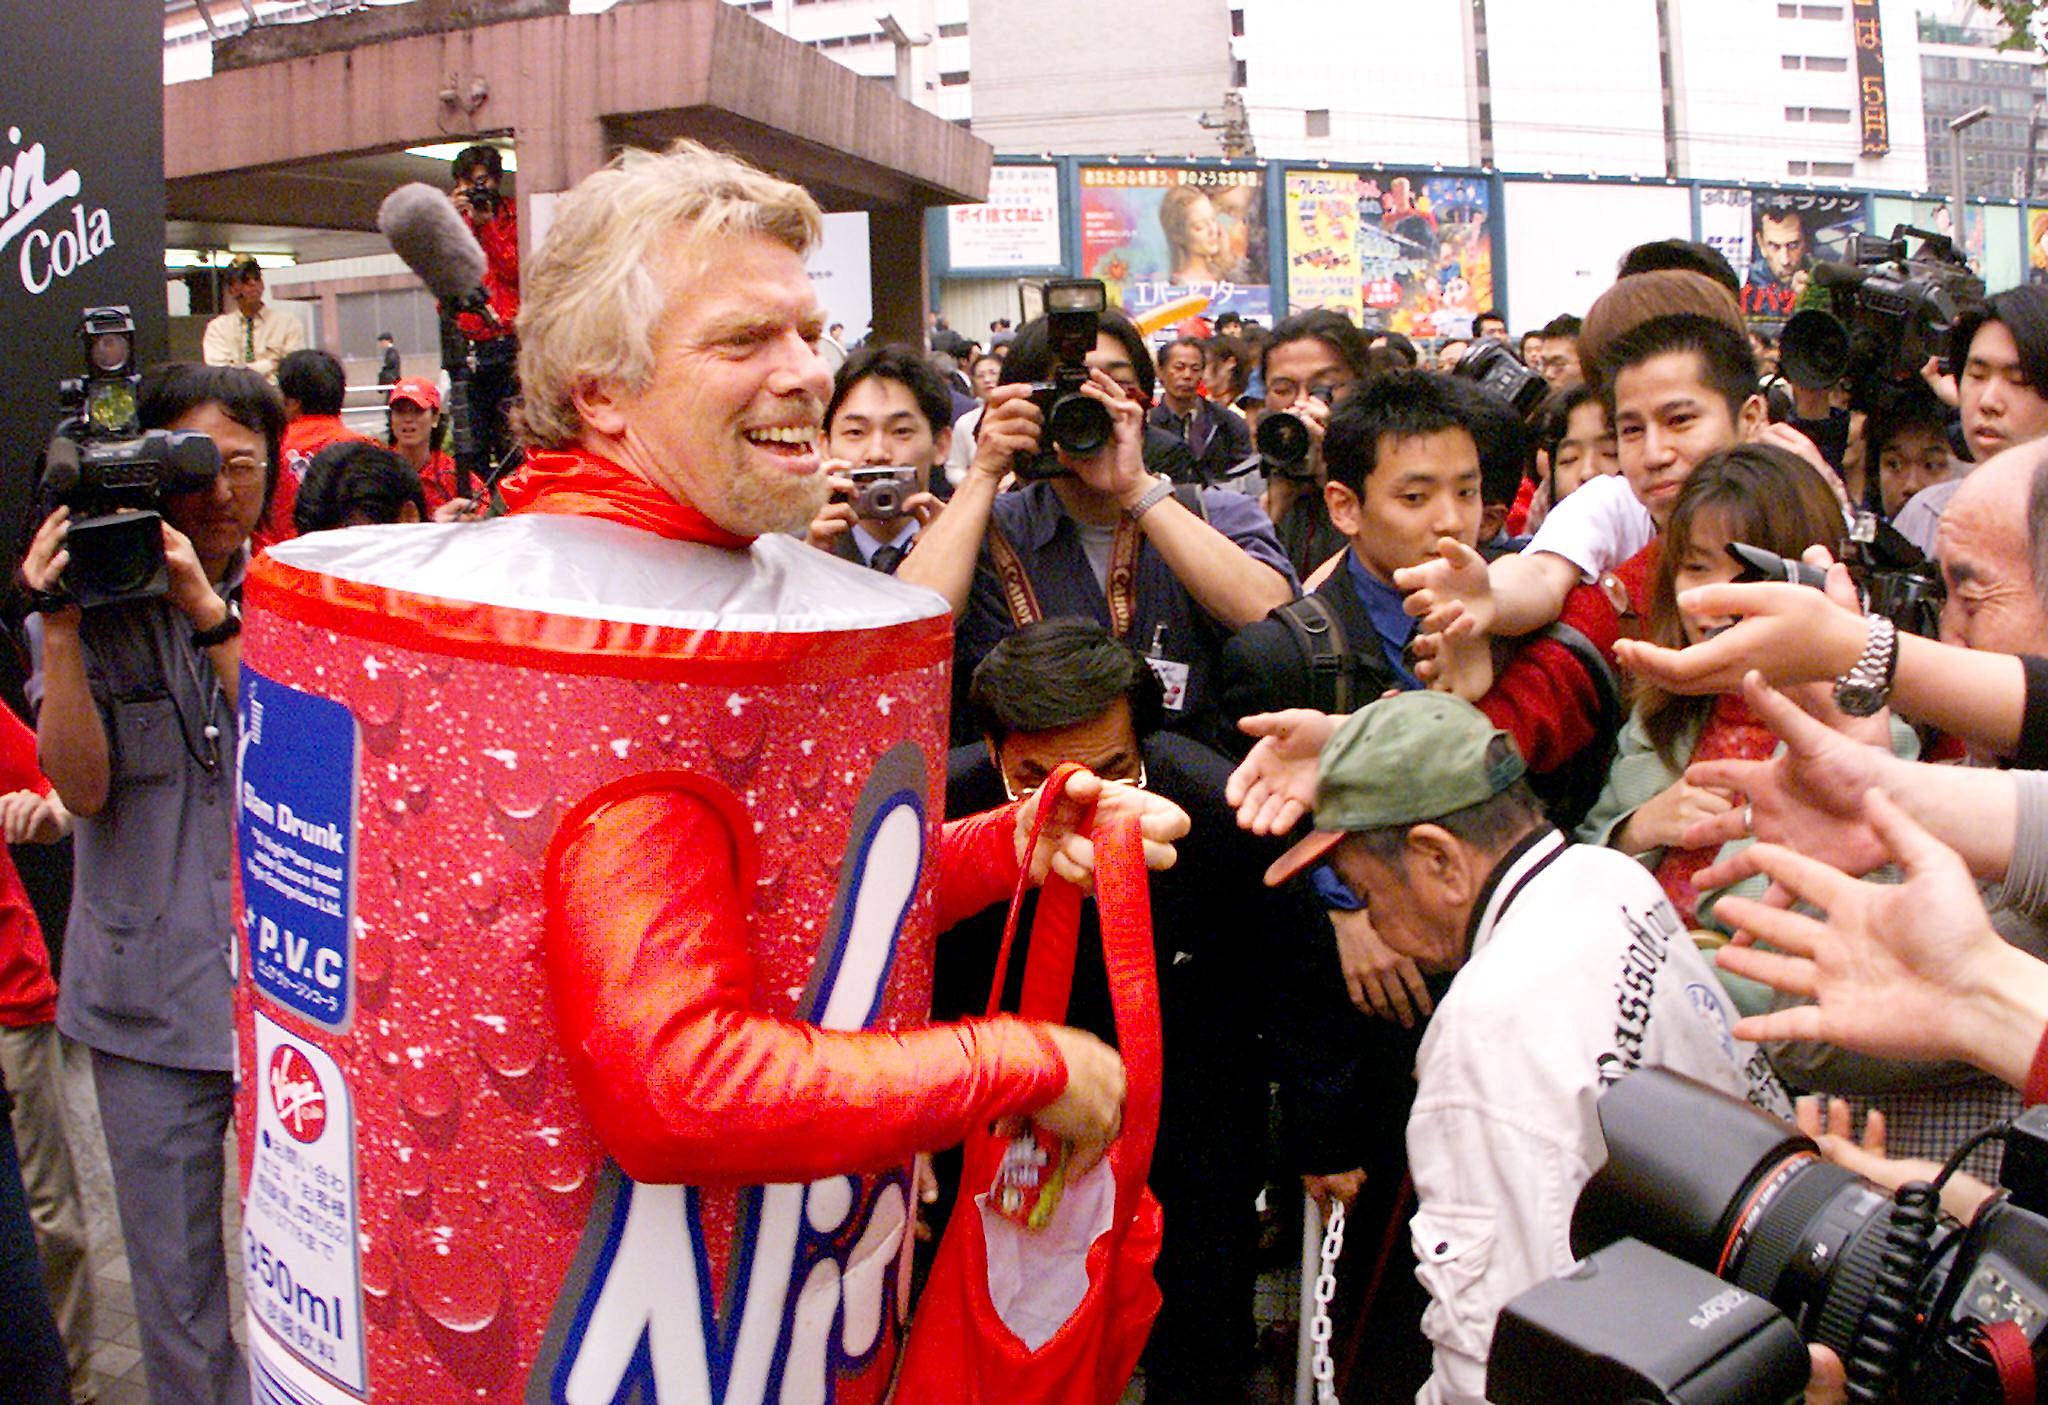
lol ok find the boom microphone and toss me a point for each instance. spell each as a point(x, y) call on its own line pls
point(437, 245)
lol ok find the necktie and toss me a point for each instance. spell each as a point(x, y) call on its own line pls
point(248, 340)
point(886, 559)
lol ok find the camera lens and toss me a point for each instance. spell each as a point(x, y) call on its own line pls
point(1078, 424)
point(1721, 1185)
point(1283, 439)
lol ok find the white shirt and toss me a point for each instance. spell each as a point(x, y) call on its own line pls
point(1919, 521)
point(259, 343)
point(1579, 972)
point(960, 456)
point(1597, 528)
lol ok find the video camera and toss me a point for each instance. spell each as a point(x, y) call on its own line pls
point(112, 475)
point(1890, 314)
point(1799, 1250)
point(1077, 423)
point(1491, 365)
point(1891, 575)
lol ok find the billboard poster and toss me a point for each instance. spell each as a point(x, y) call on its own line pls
point(1017, 227)
point(1174, 242)
point(2037, 246)
point(1400, 251)
point(1773, 238)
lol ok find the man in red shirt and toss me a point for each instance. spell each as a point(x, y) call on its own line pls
point(30, 1057)
point(493, 216)
point(314, 385)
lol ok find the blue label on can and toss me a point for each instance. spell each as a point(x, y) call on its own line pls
point(295, 812)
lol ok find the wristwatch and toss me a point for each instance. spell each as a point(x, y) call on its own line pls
point(1864, 689)
point(230, 625)
point(1158, 493)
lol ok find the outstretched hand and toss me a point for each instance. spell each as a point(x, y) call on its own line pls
point(1064, 847)
point(1788, 633)
point(1893, 970)
point(1452, 595)
point(1274, 787)
point(1808, 797)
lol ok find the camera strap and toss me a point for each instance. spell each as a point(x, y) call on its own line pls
point(2013, 1356)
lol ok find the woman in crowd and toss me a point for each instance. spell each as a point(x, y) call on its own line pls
point(1756, 494)
point(416, 437)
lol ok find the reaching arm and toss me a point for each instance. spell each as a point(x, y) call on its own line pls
point(1232, 585)
point(948, 549)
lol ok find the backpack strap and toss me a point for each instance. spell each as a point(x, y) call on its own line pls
point(1319, 634)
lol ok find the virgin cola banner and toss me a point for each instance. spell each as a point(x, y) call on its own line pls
point(81, 209)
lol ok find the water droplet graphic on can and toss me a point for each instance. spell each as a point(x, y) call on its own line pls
point(506, 1049)
point(737, 730)
point(559, 1166)
point(519, 787)
point(457, 1286)
point(429, 1092)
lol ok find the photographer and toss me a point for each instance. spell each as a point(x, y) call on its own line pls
point(1170, 572)
point(1312, 358)
point(885, 434)
point(494, 218)
point(137, 731)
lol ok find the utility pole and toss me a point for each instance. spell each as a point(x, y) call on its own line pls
point(1233, 125)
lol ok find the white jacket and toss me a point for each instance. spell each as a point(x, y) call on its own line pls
point(1578, 971)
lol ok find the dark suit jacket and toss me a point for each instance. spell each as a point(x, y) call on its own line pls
point(1226, 439)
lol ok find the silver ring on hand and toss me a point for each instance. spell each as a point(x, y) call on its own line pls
point(1748, 817)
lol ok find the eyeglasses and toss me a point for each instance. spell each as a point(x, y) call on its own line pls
point(1028, 791)
point(244, 470)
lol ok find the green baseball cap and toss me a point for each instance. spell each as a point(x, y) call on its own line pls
point(1407, 759)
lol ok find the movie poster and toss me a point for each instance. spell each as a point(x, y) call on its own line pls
point(1174, 242)
point(1888, 211)
point(1773, 238)
point(2037, 246)
point(1400, 251)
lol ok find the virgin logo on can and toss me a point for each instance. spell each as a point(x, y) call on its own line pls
point(296, 1095)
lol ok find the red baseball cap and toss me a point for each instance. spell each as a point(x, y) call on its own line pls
point(422, 393)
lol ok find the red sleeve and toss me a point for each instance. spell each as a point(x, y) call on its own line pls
point(1518, 514)
point(1544, 698)
point(19, 769)
point(977, 864)
point(648, 957)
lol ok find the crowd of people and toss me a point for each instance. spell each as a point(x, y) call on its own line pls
point(1507, 668)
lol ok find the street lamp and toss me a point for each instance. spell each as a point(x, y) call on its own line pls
point(1955, 155)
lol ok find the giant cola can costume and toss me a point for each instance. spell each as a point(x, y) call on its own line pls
point(575, 848)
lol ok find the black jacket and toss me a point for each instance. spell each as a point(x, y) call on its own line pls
point(1263, 667)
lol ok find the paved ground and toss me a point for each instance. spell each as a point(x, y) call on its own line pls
point(117, 1364)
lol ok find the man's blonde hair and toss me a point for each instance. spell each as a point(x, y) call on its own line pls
point(591, 298)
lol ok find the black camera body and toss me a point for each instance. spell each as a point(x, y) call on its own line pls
point(1076, 423)
point(1493, 367)
point(1890, 314)
point(114, 476)
point(1283, 441)
point(1891, 575)
point(1695, 1181)
point(879, 494)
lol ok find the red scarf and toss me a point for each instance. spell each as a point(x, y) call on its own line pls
point(578, 483)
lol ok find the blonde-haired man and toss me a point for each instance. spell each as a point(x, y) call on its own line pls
point(668, 351)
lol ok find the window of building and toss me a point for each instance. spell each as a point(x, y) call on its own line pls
point(1317, 122)
point(1795, 114)
point(1788, 12)
point(1791, 61)
point(1825, 63)
point(1833, 168)
point(1827, 114)
point(1237, 24)
point(1820, 12)
point(953, 80)
point(1237, 76)
point(1795, 168)
point(952, 31)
